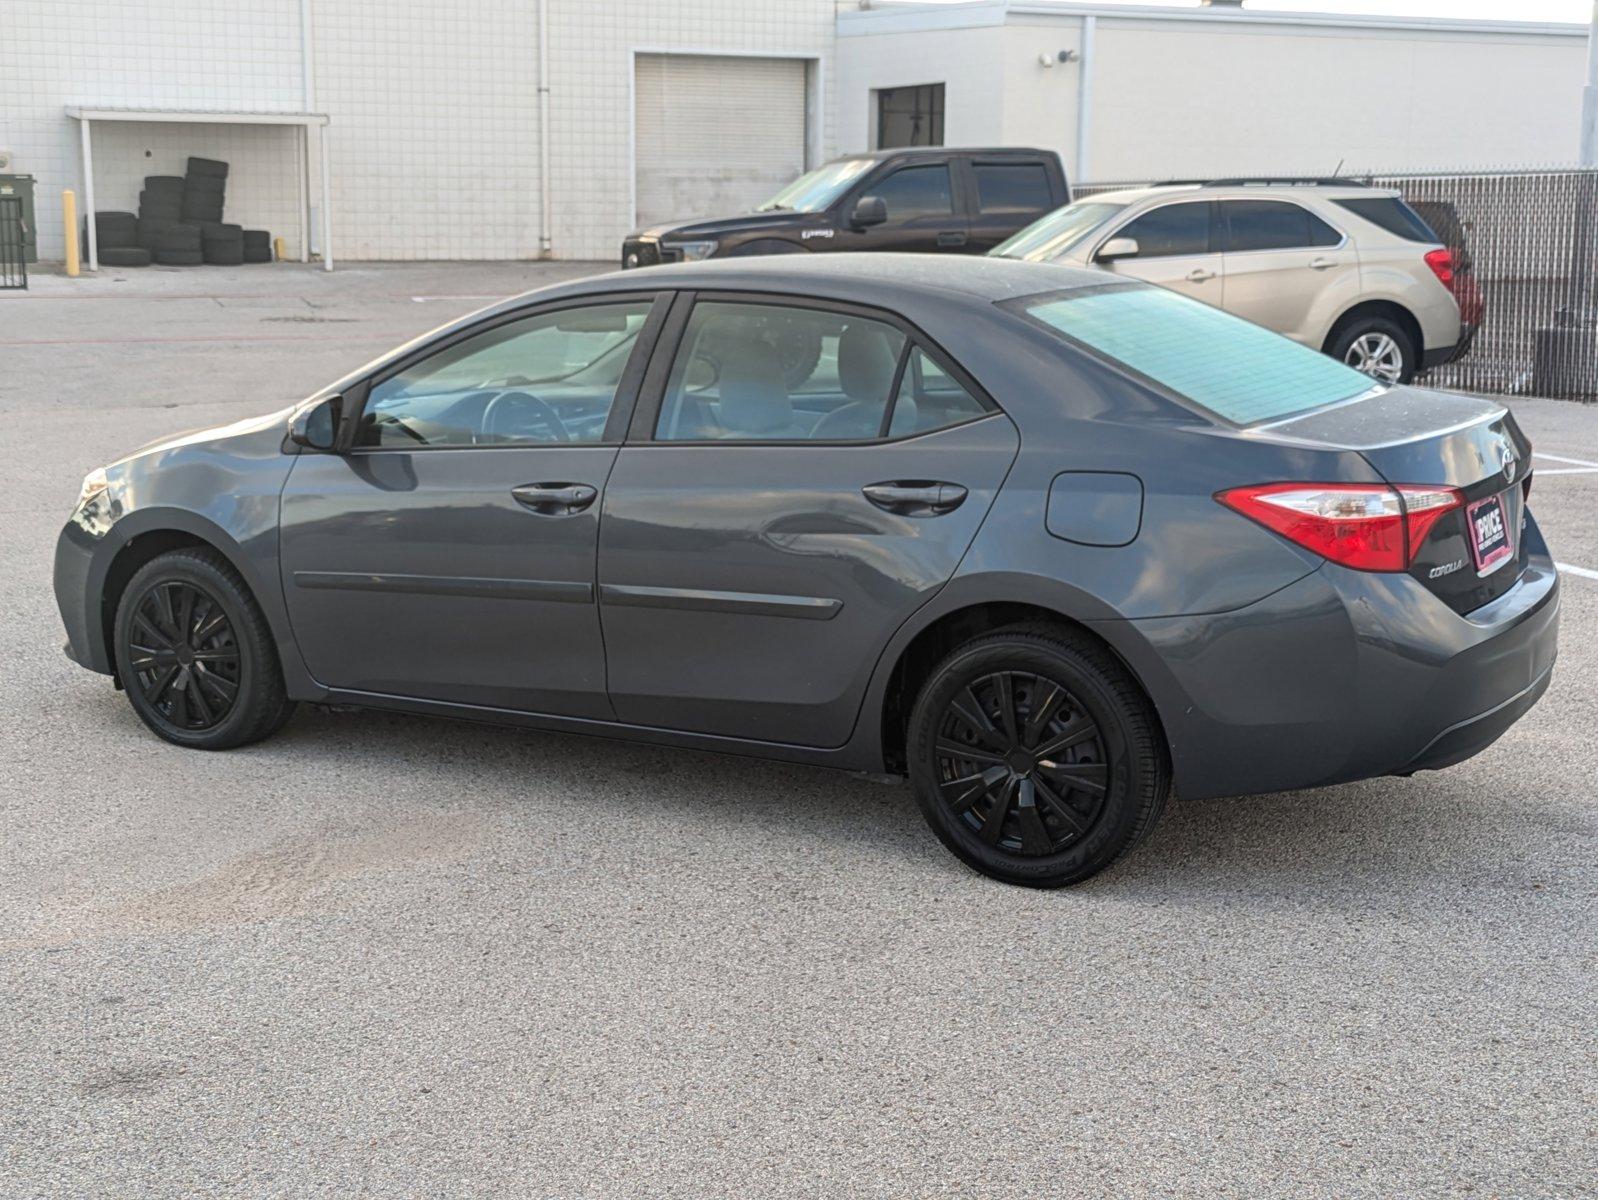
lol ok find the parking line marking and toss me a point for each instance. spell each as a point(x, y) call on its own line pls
point(1580, 572)
point(1580, 462)
point(1567, 471)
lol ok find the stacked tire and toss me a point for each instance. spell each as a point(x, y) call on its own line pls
point(178, 245)
point(257, 246)
point(116, 239)
point(160, 207)
point(222, 245)
point(204, 190)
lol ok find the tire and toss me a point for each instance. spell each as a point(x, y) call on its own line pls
point(257, 246)
point(223, 254)
point(178, 258)
point(160, 206)
point(1111, 742)
point(212, 167)
point(1376, 346)
point(208, 186)
point(164, 184)
point(200, 214)
point(124, 256)
point(150, 231)
point(116, 229)
point(232, 693)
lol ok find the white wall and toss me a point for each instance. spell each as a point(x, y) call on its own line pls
point(434, 107)
point(1209, 93)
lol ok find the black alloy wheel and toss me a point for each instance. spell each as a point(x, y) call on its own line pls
point(185, 657)
point(1021, 763)
point(196, 655)
point(1036, 757)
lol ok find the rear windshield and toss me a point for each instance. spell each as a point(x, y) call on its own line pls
point(1220, 363)
point(1393, 215)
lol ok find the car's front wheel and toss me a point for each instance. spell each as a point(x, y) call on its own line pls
point(1378, 347)
point(1035, 757)
point(195, 653)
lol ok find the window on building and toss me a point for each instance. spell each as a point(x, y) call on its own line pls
point(1012, 187)
point(910, 116)
point(1273, 225)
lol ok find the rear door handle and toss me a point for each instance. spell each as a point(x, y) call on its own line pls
point(1320, 264)
point(555, 499)
point(1199, 275)
point(914, 498)
point(951, 239)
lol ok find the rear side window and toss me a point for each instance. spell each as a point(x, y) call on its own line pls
point(1273, 225)
point(1393, 215)
point(1171, 229)
point(1012, 187)
point(930, 398)
point(1227, 366)
point(915, 192)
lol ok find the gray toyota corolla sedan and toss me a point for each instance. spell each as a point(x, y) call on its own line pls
point(1052, 544)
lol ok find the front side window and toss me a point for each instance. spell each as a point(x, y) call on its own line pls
point(1170, 230)
point(1049, 237)
point(1012, 187)
point(1223, 364)
point(549, 378)
point(1273, 225)
point(915, 192)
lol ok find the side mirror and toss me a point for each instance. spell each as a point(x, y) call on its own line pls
point(869, 211)
point(1117, 247)
point(315, 426)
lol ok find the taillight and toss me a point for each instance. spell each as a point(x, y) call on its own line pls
point(1441, 261)
point(1366, 526)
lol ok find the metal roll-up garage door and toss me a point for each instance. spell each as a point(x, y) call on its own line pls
point(715, 135)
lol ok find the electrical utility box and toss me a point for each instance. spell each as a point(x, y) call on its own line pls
point(21, 186)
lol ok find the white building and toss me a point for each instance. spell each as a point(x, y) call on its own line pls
point(435, 142)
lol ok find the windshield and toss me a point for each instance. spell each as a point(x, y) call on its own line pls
point(814, 190)
point(1050, 236)
point(1223, 364)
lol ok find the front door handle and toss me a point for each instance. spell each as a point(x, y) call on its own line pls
point(951, 239)
point(915, 498)
point(1199, 275)
point(1320, 264)
point(555, 499)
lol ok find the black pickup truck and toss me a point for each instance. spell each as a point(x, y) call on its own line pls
point(948, 200)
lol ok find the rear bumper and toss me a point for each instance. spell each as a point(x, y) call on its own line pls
point(1442, 355)
point(1346, 675)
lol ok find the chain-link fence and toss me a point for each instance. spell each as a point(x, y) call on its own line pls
point(1529, 240)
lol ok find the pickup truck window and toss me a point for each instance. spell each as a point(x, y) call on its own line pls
point(1012, 187)
point(918, 191)
point(815, 190)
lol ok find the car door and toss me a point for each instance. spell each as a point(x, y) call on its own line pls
point(449, 552)
point(1177, 248)
point(926, 211)
point(1006, 195)
point(799, 478)
point(1280, 260)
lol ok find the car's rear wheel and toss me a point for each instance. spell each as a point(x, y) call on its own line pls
point(1378, 347)
point(1036, 758)
point(195, 653)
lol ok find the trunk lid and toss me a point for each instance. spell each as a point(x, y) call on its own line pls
point(1417, 436)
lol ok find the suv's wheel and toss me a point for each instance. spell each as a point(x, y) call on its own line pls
point(1378, 347)
point(1035, 757)
point(196, 655)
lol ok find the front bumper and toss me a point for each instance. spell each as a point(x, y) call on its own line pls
point(645, 252)
point(78, 586)
point(1347, 675)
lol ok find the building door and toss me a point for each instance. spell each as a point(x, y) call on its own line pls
point(714, 134)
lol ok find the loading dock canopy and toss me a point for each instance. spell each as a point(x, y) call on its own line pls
point(86, 116)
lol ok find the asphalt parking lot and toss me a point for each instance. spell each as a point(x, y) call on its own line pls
point(383, 955)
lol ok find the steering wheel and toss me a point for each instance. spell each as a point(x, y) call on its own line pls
point(540, 414)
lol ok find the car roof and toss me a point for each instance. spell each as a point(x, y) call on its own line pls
point(940, 152)
point(870, 278)
point(1234, 191)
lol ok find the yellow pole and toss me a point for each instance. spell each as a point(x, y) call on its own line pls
point(69, 222)
point(277, 245)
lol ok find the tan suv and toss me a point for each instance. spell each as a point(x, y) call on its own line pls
point(1337, 266)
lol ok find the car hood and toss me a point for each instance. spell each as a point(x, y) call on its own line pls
point(710, 227)
point(248, 435)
